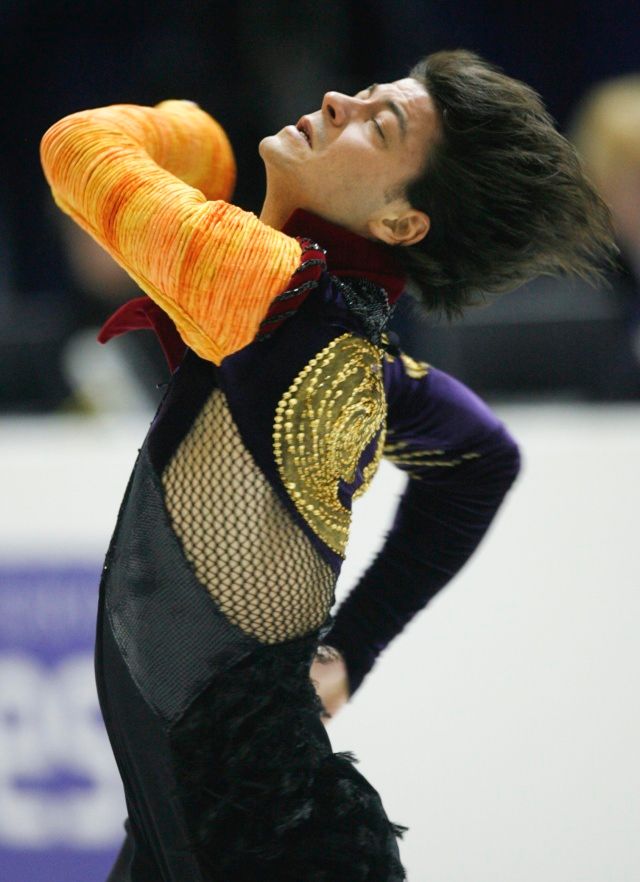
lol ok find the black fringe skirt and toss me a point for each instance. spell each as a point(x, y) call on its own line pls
point(264, 795)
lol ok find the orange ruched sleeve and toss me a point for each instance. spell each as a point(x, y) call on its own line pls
point(150, 184)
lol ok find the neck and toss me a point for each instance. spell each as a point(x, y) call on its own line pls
point(275, 212)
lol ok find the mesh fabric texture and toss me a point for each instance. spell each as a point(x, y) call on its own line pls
point(254, 560)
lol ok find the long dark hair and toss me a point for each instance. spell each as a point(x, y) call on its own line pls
point(507, 194)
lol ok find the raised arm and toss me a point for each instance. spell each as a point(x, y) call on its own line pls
point(461, 461)
point(150, 185)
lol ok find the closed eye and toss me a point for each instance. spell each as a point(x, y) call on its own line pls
point(379, 128)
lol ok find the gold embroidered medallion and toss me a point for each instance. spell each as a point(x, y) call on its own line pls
point(323, 422)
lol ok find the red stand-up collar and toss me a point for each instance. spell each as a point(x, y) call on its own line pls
point(349, 254)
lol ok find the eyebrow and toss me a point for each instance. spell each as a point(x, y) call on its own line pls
point(394, 108)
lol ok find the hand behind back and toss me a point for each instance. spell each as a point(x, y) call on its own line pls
point(329, 676)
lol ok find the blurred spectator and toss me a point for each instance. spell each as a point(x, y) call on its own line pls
point(606, 131)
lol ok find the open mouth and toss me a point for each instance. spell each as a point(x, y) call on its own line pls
point(305, 129)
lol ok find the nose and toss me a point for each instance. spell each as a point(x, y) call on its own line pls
point(338, 107)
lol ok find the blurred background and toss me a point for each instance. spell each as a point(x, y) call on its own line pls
point(556, 578)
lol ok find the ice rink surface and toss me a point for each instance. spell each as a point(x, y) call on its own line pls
point(502, 726)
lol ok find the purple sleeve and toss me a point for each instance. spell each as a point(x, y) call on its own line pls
point(461, 461)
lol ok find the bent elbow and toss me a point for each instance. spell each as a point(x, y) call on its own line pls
point(510, 457)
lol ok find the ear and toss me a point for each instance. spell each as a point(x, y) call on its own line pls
point(403, 229)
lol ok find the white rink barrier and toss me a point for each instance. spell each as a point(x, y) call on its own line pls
point(501, 726)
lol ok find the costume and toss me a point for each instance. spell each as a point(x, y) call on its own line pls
point(219, 580)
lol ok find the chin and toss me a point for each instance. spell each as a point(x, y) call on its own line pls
point(264, 145)
point(274, 154)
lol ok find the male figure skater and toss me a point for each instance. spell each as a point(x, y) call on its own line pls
point(285, 393)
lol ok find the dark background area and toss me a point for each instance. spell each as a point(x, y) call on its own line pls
point(256, 67)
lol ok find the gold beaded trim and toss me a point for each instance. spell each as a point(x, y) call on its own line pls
point(415, 369)
point(402, 455)
point(323, 422)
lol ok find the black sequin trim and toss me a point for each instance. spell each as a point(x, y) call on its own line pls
point(292, 292)
point(281, 317)
point(369, 302)
point(313, 261)
point(273, 320)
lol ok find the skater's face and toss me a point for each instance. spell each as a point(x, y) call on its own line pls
point(359, 154)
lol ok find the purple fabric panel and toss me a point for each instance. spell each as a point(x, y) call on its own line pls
point(442, 516)
point(437, 410)
point(346, 489)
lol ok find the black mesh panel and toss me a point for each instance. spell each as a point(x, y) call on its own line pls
point(173, 639)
